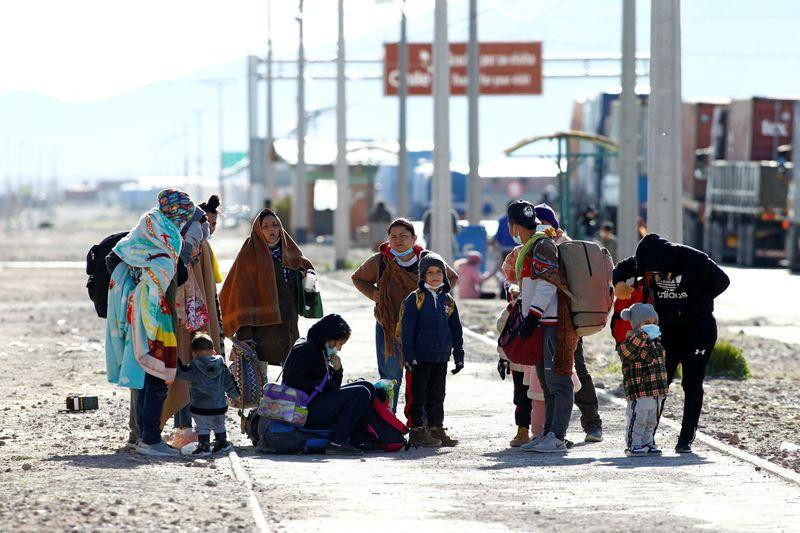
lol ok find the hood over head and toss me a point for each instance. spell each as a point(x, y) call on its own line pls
point(656, 254)
point(428, 259)
point(329, 327)
point(209, 365)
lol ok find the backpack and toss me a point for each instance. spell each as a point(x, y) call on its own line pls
point(620, 327)
point(587, 269)
point(382, 430)
point(246, 373)
point(281, 438)
point(99, 277)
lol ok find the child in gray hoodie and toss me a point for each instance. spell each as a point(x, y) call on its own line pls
point(209, 380)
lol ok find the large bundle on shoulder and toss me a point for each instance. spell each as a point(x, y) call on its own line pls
point(587, 268)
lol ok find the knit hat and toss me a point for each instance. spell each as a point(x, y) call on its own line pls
point(176, 206)
point(522, 213)
point(638, 313)
point(428, 259)
point(546, 214)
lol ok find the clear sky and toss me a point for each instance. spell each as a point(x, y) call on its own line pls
point(109, 89)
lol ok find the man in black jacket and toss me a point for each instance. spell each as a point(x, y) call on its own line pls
point(683, 284)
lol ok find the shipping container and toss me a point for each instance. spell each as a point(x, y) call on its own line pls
point(698, 124)
point(757, 127)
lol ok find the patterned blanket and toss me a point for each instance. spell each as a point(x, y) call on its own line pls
point(140, 335)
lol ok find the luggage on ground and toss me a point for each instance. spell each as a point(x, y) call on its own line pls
point(383, 431)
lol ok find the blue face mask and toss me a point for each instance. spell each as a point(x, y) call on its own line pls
point(652, 330)
point(399, 254)
point(517, 239)
point(331, 350)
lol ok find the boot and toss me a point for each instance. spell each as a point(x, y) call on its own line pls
point(439, 433)
point(421, 437)
point(521, 438)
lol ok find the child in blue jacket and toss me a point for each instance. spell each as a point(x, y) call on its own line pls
point(430, 331)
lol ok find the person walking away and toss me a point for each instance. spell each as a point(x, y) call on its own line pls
point(431, 332)
point(606, 238)
point(209, 383)
point(386, 278)
point(314, 363)
point(586, 396)
point(141, 350)
point(683, 283)
point(259, 297)
point(644, 378)
point(545, 305)
point(378, 219)
point(426, 228)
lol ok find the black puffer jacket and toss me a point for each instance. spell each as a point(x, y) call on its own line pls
point(307, 363)
point(694, 280)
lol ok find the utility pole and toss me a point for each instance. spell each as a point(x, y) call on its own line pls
point(665, 188)
point(402, 90)
point(299, 215)
point(255, 152)
point(269, 168)
point(341, 221)
point(441, 230)
point(628, 203)
point(473, 88)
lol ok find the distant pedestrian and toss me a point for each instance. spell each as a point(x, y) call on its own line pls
point(682, 283)
point(431, 333)
point(606, 238)
point(587, 224)
point(378, 219)
point(209, 383)
point(471, 277)
point(644, 378)
point(386, 278)
point(427, 228)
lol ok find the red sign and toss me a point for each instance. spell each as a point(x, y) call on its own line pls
point(504, 68)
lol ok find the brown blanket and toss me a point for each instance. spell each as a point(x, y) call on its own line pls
point(249, 296)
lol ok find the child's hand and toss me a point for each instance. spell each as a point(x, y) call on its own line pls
point(336, 362)
point(623, 291)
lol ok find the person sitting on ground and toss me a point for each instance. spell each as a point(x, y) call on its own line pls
point(471, 277)
point(314, 362)
point(386, 278)
point(586, 396)
point(644, 378)
point(430, 332)
point(209, 381)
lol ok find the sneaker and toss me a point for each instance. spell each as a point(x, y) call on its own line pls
point(521, 438)
point(653, 449)
point(550, 444)
point(183, 437)
point(594, 434)
point(421, 438)
point(222, 447)
point(203, 450)
point(439, 433)
point(342, 449)
point(160, 449)
point(533, 442)
point(683, 447)
point(636, 451)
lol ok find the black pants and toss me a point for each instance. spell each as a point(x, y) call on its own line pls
point(523, 404)
point(586, 398)
point(691, 348)
point(425, 389)
point(342, 411)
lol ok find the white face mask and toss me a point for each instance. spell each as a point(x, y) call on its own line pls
point(432, 288)
point(541, 227)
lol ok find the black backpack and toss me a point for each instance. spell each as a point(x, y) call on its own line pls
point(99, 278)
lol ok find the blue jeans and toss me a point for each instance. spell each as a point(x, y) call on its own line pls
point(389, 368)
point(149, 403)
point(183, 418)
point(557, 388)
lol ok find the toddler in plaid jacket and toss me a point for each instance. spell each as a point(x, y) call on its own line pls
point(644, 377)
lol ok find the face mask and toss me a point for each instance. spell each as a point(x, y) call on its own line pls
point(517, 239)
point(432, 288)
point(331, 350)
point(652, 330)
point(541, 227)
point(399, 254)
